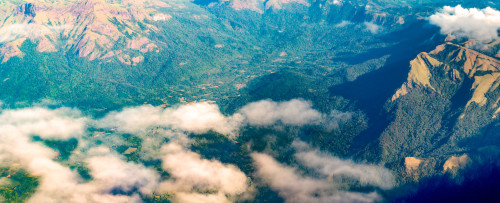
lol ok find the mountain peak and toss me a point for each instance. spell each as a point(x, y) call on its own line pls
point(457, 62)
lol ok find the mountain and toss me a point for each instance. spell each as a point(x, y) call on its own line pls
point(178, 50)
point(248, 100)
point(448, 103)
point(93, 29)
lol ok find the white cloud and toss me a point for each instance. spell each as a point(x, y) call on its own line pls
point(336, 2)
point(115, 180)
point(58, 183)
point(294, 112)
point(12, 32)
point(112, 173)
point(202, 117)
point(343, 24)
point(331, 166)
point(294, 187)
point(372, 27)
point(191, 173)
point(61, 123)
point(196, 118)
point(473, 23)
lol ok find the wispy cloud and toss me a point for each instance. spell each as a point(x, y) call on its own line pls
point(343, 24)
point(296, 112)
point(328, 165)
point(372, 27)
point(12, 32)
point(61, 123)
point(295, 187)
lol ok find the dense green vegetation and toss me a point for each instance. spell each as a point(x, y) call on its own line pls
point(16, 185)
point(237, 57)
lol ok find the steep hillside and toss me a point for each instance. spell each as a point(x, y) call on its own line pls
point(91, 28)
point(178, 51)
point(448, 103)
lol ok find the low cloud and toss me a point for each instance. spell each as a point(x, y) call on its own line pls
point(12, 32)
point(113, 179)
point(203, 117)
point(196, 118)
point(478, 24)
point(112, 174)
point(343, 24)
point(324, 185)
point(293, 112)
point(336, 2)
point(372, 27)
point(192, 174)
point(57, 183)
point(295, 187)
point(61, 123)
point(330, 166)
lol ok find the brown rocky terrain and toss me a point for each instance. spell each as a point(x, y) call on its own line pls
point(455, 59)
point(91, 28)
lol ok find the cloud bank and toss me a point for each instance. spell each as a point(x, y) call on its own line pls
point(478, 24)
point(203, 117)
point(191, 178)
point(57, 182)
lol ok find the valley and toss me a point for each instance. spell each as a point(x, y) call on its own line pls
point(248, 100)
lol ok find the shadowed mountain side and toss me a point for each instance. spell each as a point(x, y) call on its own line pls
point(478, 184)
point(372, 90)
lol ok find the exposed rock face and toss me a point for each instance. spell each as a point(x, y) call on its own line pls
point(451, 96)
point(456, 162)
point(454, 59)
point(95, 29)
point(412, 164)
point(419, 74)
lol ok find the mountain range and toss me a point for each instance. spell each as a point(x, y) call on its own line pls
point(258, 100)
